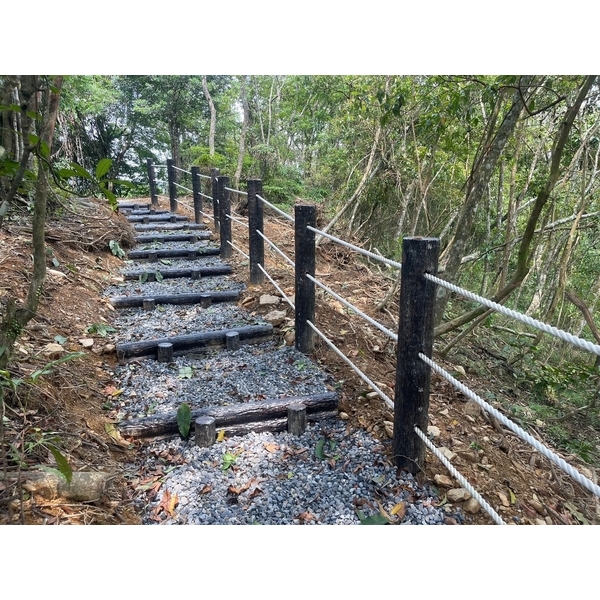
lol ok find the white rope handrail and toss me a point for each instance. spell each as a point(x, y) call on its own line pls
point(183, 187)
point(283, 214)
point(182, 170)
point(372, 255)
point(277, 287)
point(559, 333)
point(207, 215)
point(236, 191)
point(364, 377)
point(236, 248)
point(205, 196)
point(488, 509)
point(237, 221)
point(204, 176)
point(160, 166)
point(284, 256)
point(545, 451)
point(359, 312)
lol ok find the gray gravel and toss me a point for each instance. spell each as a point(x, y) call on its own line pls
point(172, 263)
point(332, 474)
point(218, 378)
point(199, 245)
point(136, 324)
point(173, 286)
point(278, 479)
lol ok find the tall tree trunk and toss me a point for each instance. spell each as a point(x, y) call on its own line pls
point(477, 187)
point(213, 117)
point(544, 194)
point(15, 318)
point(245, 124)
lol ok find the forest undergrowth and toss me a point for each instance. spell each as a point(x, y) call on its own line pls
point(68, 406)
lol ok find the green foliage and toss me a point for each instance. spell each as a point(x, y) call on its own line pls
point(184, 419)
point(229, 460)
point(100, 329)
point(116, 249)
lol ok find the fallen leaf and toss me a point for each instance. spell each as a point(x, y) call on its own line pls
point(271, 447)
point(221, 435)
point(238, 490)
point(399, 510)
point(206, 489)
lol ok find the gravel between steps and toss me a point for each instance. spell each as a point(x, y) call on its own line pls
point(260, 478)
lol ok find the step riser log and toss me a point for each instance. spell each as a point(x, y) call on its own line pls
point(183, 344)
point(174, 253)
point(237, 415)
point(183, 273)
point(136, 301)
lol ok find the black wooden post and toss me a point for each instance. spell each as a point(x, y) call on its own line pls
point(197, 188)
point(224, 221)
point(415, 334)
point(171, 176)
point(152, 181)
point(305, 214)
point(214, 174)
point(255, 223)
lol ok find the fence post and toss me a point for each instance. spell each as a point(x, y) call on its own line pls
point(196, 187)
point(152, 181)
point(171, 175)
point(255, 223)
point(214, 174)
point(415, 334)
point(224, 209)
point(305, 214)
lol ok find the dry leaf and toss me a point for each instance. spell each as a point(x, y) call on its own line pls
point(399, 510)
point(271, 447)
point(206, 489)
point(221, 435)
point(238, 490)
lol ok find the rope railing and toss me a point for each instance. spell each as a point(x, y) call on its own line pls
point(551, 456)
point(559, 333)
point(276, 285)
point(372, 255)
point(235, 220)
point(238, 249)
point(360, 373)
point(204, 176)
point(276, 248)
point(413, 365)
point(183, 187)
point(359, 312)
point(236, 191)
point(278, 210)
point(466, 485)
point(182, 170)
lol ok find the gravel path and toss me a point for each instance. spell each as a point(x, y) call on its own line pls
point(331, 474)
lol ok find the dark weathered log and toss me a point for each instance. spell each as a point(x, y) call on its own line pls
point(296, 416)
point(148, 304)
point(133, 301)
point(305, 264)
point(145, 212)
point(182, 344)
point(176, 273)
point(169, 226)
point(255, 224)
point(232, 341)
point(172, 253)
point(205, 431)
point(164, 218)
point(197, 190)
point(214, 174)
point(183, 237)
point(133, 205)
point(415, 335)
point(172, 177)
point(152, 182)
point(224, 220)
point(236, 415)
